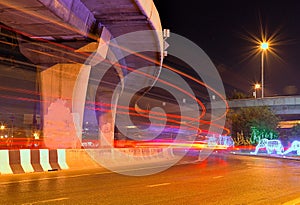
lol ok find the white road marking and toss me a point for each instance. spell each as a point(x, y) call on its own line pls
point(45, 178)
point(141, 168)
point(292, 202)
point(45, 201)
point(78, 175)
point(217, 177)
point(156, 185)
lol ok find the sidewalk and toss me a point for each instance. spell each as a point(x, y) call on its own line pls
point(289, 156)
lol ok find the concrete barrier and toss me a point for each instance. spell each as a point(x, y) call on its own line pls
point(80, 159)
point(35, 160)
point(61, 158)
point(42, 160)
point(115, 157)
point(4, 162)
point(15, 161)
point(26, 161)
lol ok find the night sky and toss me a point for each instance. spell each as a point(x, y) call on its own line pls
point(220, 27)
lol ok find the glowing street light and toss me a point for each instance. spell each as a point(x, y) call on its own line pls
point(264, 46)
point(256, 87)
point(2, 127)
point(36, 136)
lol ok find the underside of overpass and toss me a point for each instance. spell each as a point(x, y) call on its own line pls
point(61, 39)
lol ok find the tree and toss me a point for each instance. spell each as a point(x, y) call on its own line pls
point(254, 123)
point(238, 95)
point(295, 131)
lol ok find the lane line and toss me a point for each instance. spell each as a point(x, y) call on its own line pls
point(81, 175)
point(141, 168)
point(49, 178)
point(292, 202)
point(217, 177)
point(45, 201)
point(45, 178)
point(156, 185)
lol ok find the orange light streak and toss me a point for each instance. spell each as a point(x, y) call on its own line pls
point(133, 70)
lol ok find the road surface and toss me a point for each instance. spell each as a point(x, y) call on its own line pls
point(221, 179)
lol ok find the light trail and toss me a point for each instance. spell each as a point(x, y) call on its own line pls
point(145, 113)
point(69, 50)
point(128, 68)
point(139, 55)
point(120, 66)
point(223, 98)
point(162, 119)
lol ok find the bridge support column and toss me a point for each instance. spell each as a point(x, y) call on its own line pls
point(62, 121)
point(106, 118)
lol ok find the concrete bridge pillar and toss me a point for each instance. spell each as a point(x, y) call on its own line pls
point(62, 126)
point(59, 36)
point(106, 119)
point(64, 89)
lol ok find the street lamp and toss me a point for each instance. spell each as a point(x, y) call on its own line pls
point(256, 87)
point(264, 46)
point(2, 127)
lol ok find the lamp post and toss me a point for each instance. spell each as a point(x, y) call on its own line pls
point(264, 46)
point(2, 127)
point(256, 87)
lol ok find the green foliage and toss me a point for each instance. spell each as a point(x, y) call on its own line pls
point(258, 133)
point(295, 131)
point(238, 95)
point(260, 117)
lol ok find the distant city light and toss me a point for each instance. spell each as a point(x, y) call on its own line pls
point(36, 135)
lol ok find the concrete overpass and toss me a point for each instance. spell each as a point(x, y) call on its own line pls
point(281, 105)
point(62, 37)
point(287, 107)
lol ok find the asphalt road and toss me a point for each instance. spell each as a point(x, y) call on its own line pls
point(221, 179)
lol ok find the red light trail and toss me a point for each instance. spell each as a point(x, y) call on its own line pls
point(82, 56)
